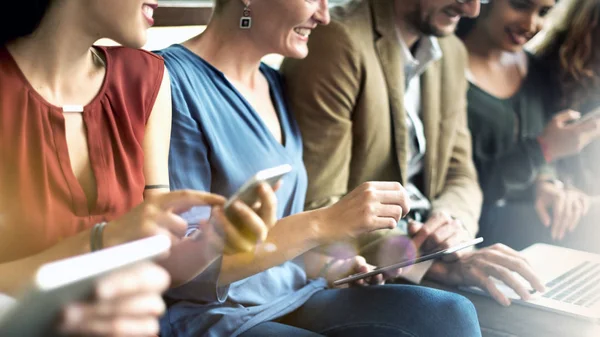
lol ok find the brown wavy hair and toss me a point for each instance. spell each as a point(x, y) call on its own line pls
point(573, 47)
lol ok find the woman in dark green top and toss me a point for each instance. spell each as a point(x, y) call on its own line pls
point(514, 138)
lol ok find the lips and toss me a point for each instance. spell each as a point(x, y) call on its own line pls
point(148, 11)
point(304, 32)
point(518, 38)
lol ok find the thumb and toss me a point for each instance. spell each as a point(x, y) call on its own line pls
point(414, 227)
point(542, 212)
point(565, 116)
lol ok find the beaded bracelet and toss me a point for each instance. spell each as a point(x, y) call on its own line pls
point(326, 266)
point(96, 237)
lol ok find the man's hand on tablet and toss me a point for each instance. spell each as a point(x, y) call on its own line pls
point(127, 303)
point(340, 268)
point(439, 232)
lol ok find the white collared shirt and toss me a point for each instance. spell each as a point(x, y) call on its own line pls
point(428, 51)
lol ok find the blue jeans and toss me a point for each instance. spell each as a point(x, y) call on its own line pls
point(389, 310)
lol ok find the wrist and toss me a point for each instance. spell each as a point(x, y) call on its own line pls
point(545, 147)
point(318, 226)
point(109, 239)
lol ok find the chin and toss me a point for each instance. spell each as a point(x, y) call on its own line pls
point(297, 53)
point(135, 41)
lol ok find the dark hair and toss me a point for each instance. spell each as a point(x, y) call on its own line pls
point(572, 47)
point(20, 18)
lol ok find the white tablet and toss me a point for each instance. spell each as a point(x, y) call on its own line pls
point(395, 266)
point(59, 283)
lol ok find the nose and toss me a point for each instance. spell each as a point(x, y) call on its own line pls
point(470, 8)
point(533, 23)
point(322, 14)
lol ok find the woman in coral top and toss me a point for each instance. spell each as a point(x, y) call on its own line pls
point(84, 141)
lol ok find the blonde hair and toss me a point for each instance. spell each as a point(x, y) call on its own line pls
point(573, 47)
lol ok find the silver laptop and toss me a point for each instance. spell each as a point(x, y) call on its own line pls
point(571, 277)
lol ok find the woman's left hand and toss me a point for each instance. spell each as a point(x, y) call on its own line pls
point(341, 268)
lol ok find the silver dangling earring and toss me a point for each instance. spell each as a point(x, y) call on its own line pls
point(246, 19)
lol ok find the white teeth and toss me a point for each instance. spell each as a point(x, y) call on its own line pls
point(303, 31)
point(148, 11)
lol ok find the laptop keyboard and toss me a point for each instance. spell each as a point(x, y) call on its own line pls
point(579, 286)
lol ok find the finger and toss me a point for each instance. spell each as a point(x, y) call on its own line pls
point(567, 216)
point(392, 274)
point(234, 239)
point(268, 209)
point(507, 277)
point(278, 185)
point(394, 197)
point(585, 202)
point(503, 249)
point(565, 116)
point(429, 227)
point(414, 227)
point(576, 214)
point(173, 223)
point(390, 211)
point(483, 281)
point(148, 305)
point(122, 326)
point(439, 239)
point(143, 278)
point(455, 239)
point(250, 224)
point(542, 212)
point(557, 214)
point(183, 200)
point(376, 280)
point(518, 265)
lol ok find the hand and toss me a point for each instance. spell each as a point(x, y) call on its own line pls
point(158, 215)
point(369, 207)
point(246, 227)
point(564, 139)
point(477, 267)
point(242, 230)
point(126, 303)
point(440, 231)
point(340, 268)
point(568, 207)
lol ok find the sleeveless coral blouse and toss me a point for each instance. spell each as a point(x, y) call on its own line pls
point(41, 200)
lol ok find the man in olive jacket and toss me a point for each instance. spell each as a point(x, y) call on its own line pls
point(382, 97)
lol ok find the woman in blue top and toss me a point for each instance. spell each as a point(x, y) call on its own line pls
point(231, 120)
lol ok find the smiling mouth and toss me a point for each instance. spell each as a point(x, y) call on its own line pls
point(519, 38)
point(148, 10)
point(304, 32)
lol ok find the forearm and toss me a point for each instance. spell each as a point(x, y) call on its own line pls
point(19, 273)
point(292, 237)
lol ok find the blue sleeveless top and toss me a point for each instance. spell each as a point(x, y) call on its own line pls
point(218, 141)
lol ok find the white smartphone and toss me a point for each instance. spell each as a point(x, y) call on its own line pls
point(395, 266)
point(248, 194)
point(62, 282)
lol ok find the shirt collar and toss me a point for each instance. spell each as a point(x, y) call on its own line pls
point(428, 51)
